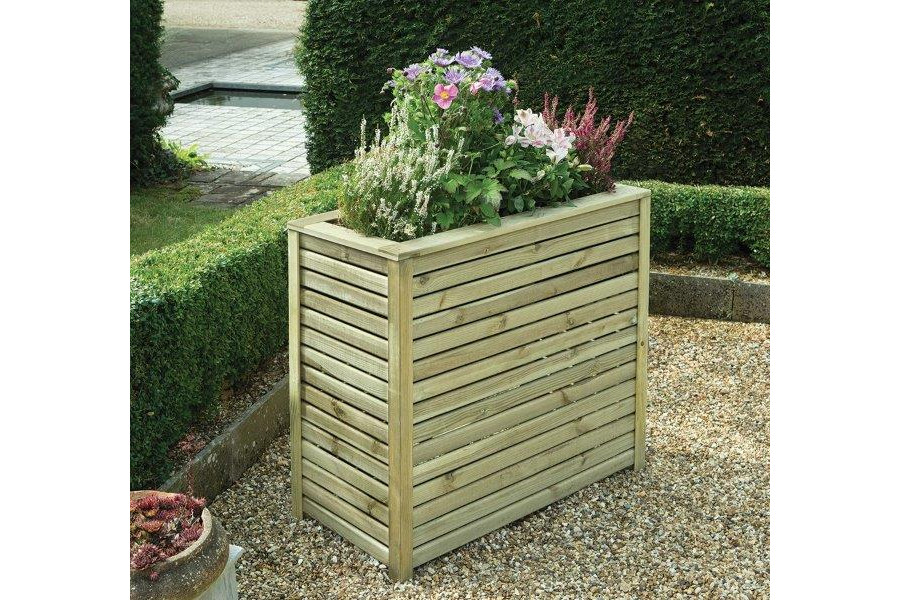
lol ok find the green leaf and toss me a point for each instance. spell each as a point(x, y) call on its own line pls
point(520, 174)
point(519, 203)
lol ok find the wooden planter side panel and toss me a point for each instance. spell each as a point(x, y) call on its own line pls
point(339, 373)
point(524, 374)
point(440, 390)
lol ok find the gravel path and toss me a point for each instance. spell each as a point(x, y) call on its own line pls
point(695, 523)
point(280, 15)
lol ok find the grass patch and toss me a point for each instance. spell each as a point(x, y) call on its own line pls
point(164, 215)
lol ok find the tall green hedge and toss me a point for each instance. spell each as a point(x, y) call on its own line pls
point(147, 75)
point(204, 312)
point(695, 73)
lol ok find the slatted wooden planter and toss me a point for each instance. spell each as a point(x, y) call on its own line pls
point(443, 387)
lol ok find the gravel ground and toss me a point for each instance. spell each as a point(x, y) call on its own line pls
point(695, 523)
point(280, 15)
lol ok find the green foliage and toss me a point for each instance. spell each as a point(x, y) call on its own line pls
point(205, 311)
point(150, 162)
point(190, 157)
point(710, 222)
point(696, 74)
point(163, 215)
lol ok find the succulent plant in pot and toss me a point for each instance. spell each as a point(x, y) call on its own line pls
point(179, 550)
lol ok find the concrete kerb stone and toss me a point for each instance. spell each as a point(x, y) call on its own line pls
point(224, 459)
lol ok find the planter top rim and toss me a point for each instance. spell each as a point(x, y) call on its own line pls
point(323, 226)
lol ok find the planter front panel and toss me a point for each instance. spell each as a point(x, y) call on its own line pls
point(445, 393)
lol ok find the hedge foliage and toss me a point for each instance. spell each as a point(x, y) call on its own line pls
point(695, 73)
point(148, 158)
point(710, 221)
point(206, 311)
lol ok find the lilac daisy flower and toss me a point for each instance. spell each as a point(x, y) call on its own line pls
point(498, 116)
point(441, 57)
point(454, 75)
point(482, 53)
point(496, 79)
point(467, 59)
point(413, 71)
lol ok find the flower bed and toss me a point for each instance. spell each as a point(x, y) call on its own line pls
point(476, 348)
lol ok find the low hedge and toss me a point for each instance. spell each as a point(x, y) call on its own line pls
point(696, 74)
point(710, 221)
point(206, 311)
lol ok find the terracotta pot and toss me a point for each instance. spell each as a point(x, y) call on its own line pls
point(189, 573)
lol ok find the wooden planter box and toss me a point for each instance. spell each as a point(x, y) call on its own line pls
point(443, 387)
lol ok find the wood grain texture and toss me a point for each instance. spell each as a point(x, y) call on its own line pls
point(643, 339)
point(294, 373)
point(400, 398)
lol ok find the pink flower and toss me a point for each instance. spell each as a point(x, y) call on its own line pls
point(482, 83)
point(444, 95)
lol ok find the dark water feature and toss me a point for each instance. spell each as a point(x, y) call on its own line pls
point(252, 99)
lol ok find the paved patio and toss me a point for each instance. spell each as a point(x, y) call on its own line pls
point(258, 143)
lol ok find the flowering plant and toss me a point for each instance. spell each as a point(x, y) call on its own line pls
point(458, 152)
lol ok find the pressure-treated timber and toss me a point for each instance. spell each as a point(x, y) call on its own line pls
point(445, 386)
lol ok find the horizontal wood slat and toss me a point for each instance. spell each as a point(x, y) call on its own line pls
point(344, 372)
point(344, 292)
point(374, 282)
point(461, 496)
point(347, 472)
point(361, 434)
point(511, 238)
point(512, 454)
point(345, 510)
point(489, 424)
point(542, 290)
point(357, 537)
point(436, 405)
point(557, 384)
point(345, 332)
point(347, 393)
point(517, 510)
point(583, 329)
point(345, 491)
point(347, 313)
point(532, 253)
point(522, 276)
point(344, 254)
point(345, 353)
point(338, 448)
point(512, 493)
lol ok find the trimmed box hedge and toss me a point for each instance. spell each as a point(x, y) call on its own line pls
point(695, 73)
point(207, 310)
point(709, 221)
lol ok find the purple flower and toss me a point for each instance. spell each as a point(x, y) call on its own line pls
point(496, 80)
point(482, 53)
point(498, 116)
point(441, 57)
point(413, 71)
point(454, 75)
point(468, 59)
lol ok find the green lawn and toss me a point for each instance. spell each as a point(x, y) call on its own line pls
point(164, 215)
